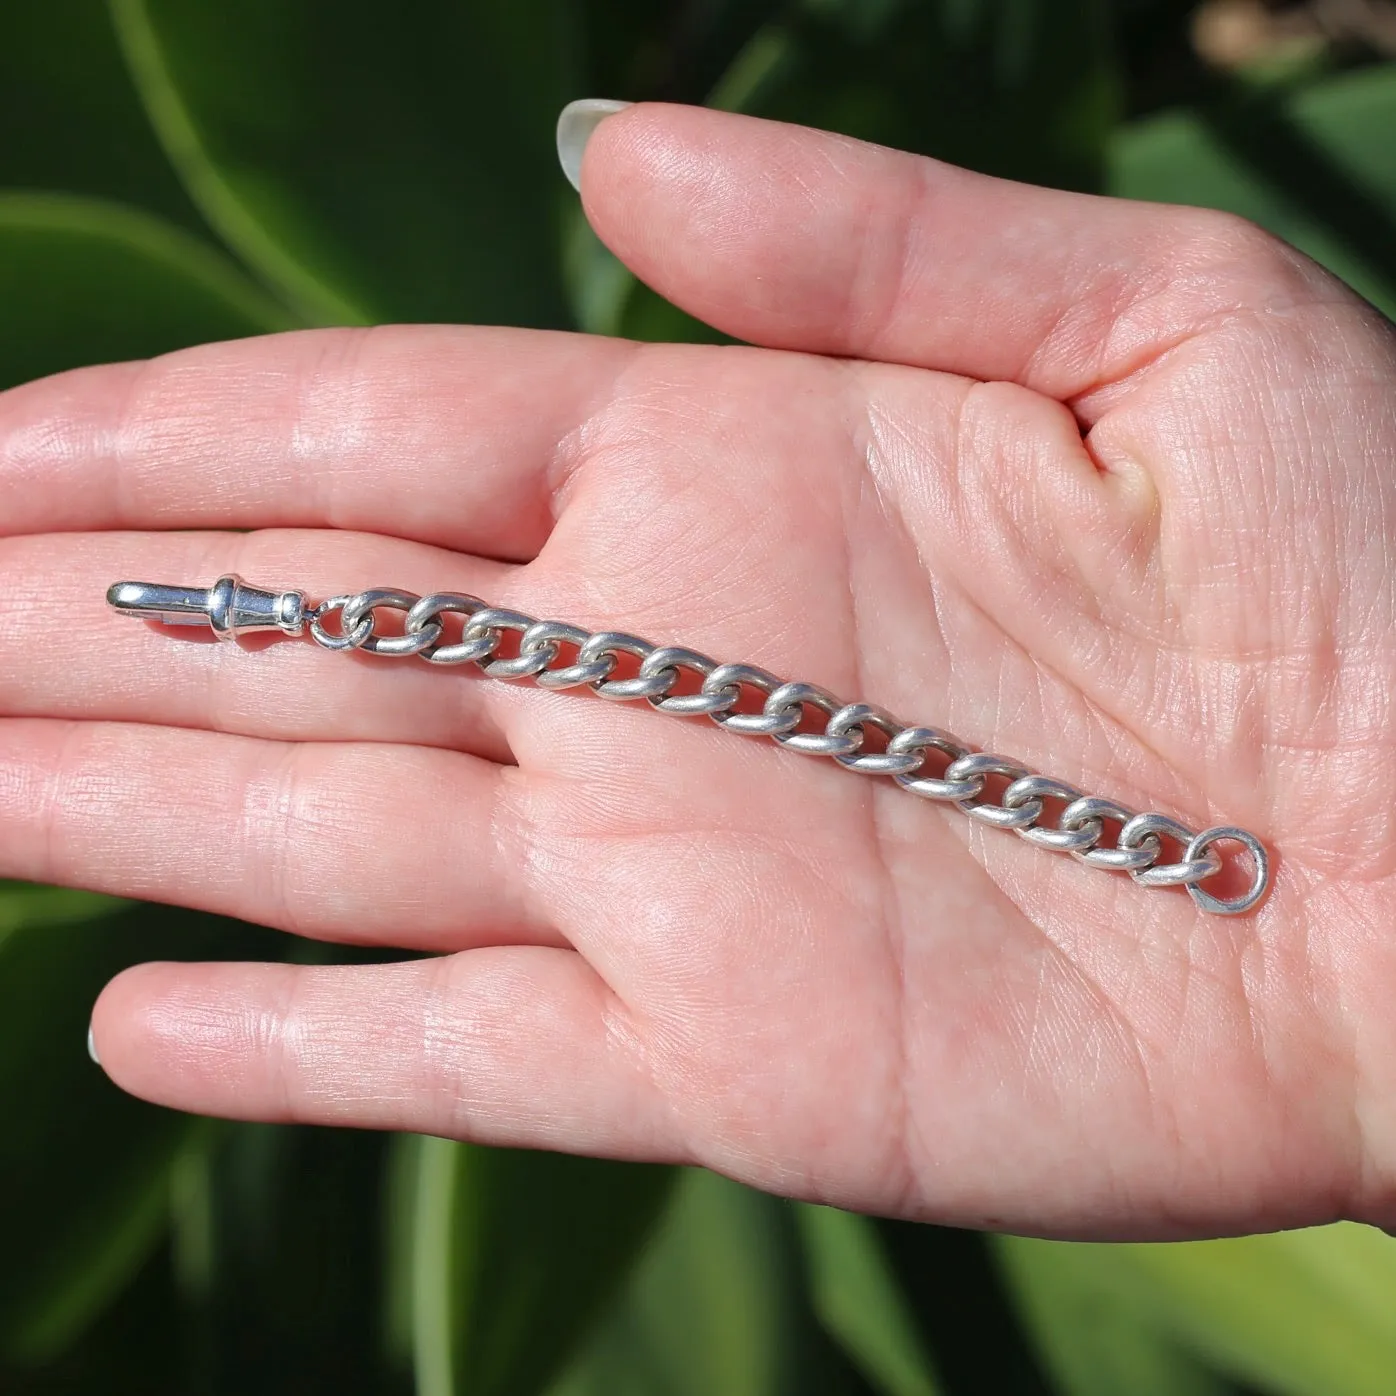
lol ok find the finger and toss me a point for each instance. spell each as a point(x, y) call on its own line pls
point(799, 239)
point(351, 842)
point(63, 653)
point(523, 1046)
point(442, 434)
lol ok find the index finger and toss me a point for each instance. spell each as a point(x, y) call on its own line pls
point(447, 435)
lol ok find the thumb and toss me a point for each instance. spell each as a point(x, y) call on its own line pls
point(798, 239)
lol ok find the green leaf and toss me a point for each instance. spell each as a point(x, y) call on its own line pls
point(28, 906)
point(653, 53)
point(507, 1257)
point(717, 1303)
point(370, 166)
point(856, 1296)
point(70, 120)
point(1317, 167)
point(278, 1243)
point(1300, 1313)
point(963, 1312)
point(84, 281)
point(1094, 1341)
point(1020, 88)
point(708, 1307)
point(83, 1168)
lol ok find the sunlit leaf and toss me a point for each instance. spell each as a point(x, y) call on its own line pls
point(83, 281)
point(1093, 1340)
point(857, 1298)
point(711, 1307)
point(964, 1315)
point(1317, 167)
point(507, 1257)
point(372, 165)
point(27, 906)
point(1300, 1313)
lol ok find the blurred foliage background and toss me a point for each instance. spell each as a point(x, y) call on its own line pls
point(175, 171)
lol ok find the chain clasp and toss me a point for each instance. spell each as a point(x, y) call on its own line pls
point(229, 607)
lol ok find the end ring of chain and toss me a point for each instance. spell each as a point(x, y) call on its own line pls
point(1260, 859)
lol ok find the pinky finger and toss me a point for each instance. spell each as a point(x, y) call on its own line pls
point(515, 1045)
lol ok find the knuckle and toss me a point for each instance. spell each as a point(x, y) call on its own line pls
point(1241, 259)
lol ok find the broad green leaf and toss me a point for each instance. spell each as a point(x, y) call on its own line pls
point(70, 120)
point(278, 1243)
point(1317, 167)
point(1020, 88)
point(856, 1296)
point(507, 1257)
point(83, 1168)
point(1093, 1340)
point(370, 164)
point(27, 906)
point(135, 1346)
point(963, 1312)
point(717, 1303)
point(646, 52)
point(1300, 1313)
point(84, 281)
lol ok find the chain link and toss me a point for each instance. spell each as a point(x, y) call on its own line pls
point(1079, 826)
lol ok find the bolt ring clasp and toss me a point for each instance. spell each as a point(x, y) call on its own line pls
point(1260, 859)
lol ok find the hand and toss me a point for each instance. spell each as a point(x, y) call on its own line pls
point(1103, 486)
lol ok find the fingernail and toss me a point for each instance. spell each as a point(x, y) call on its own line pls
point(92, 1048)
point(574, 127)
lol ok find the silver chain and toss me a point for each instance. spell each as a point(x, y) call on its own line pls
point(233, 608)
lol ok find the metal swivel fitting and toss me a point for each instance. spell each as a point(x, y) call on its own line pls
point(230, 607)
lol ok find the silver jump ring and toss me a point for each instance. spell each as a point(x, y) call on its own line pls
point(352, 638)
point(1230, 906)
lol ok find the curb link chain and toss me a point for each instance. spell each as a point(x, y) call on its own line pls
point(1079, 827)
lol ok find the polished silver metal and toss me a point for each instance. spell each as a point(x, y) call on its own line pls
point(229, 607)
point(1260, 862)
point(717, 691)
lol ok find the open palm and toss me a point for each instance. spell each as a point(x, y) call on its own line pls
point(1102, 486)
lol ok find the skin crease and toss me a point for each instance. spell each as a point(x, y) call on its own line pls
point(1105, 487)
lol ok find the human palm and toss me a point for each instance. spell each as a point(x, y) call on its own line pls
point(1102, 486)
